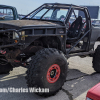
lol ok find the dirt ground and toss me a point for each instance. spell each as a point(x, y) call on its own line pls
point(81, 77)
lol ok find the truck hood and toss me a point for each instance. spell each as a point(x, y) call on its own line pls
point(18, 24)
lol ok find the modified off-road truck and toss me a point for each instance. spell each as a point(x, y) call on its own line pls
point(43, 41)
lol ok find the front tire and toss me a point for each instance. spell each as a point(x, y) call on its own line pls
point(96, 60)
point(48, 69)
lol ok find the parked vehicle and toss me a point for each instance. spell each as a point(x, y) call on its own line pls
point(96, 22)
point(94, 93)
point(43, 41)
point(8, 13)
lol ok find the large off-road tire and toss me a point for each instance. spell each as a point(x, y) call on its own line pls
point(48, 69)
point(96, 60)
point(6, 68)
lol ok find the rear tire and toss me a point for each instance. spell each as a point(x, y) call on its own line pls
point(48, 69)
point(96, 60)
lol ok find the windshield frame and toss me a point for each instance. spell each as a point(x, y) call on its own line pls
point(40, 8)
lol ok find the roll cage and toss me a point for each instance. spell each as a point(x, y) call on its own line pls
point(71, 8)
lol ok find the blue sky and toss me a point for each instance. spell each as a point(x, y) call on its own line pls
point(26, 6)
